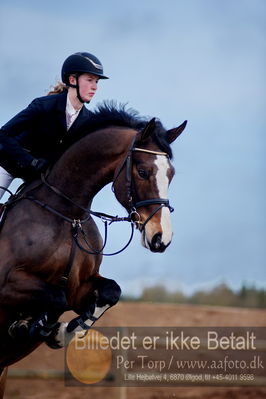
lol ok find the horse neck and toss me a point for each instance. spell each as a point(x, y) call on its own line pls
point(90, 164)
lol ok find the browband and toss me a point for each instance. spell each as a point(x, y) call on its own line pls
point(150, 151)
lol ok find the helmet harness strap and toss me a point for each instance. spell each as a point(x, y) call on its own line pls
point(76, 86)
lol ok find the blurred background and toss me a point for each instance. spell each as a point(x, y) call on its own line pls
point(200, 60)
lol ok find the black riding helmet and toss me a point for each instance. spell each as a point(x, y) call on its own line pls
point(79, 63)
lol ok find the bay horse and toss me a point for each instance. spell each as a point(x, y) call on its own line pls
point(51, 248)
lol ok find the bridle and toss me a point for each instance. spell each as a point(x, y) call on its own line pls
point(132, 204)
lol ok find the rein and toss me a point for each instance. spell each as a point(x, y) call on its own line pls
point(77, 223)
point(101, 215)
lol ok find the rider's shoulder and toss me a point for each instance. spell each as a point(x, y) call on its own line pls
point(49, 101)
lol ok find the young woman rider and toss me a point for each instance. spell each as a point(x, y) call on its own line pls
point(37, 136)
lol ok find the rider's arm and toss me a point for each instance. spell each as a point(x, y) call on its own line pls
point(14, 133)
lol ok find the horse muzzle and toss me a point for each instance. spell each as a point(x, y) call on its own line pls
point(156, 244)
point(156, 225)
point(157, 236)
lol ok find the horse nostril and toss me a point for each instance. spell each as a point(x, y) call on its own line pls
point(156, 241)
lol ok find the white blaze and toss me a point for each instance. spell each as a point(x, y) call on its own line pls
point(162, 183)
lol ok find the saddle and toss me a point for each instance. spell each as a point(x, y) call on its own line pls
point(4, 207)
point(11, 201)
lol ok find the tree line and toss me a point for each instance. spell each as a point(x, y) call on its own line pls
point(221, 295)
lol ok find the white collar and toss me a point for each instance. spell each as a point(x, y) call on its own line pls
point(70, 109)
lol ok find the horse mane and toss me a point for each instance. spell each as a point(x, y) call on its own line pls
point(110, 114)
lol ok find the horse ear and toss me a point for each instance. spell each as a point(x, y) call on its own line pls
point(148, 130)
point(172, 134)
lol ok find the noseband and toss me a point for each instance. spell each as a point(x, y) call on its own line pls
point(133, 205)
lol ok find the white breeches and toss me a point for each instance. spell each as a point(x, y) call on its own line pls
point(5, 180)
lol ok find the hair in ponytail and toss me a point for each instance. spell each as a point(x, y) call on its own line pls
point(58, 88)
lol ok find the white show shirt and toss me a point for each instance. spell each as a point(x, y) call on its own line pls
point(71, 113)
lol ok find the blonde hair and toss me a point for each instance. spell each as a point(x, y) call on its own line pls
point(58, 88)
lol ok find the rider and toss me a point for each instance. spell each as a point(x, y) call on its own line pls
point(37, 136)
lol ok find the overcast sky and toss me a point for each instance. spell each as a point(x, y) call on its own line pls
point(200, 60)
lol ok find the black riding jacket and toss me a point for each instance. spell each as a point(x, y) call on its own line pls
point(39, 131)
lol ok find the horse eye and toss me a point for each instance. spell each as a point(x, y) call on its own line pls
point(143, 174)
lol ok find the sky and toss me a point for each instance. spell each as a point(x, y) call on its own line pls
point(196, 60)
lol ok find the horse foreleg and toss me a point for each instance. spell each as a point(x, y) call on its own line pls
point(107, 295)
point(28, 295)
point(26, 292)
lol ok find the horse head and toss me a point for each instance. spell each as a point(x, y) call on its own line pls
point(141, 183)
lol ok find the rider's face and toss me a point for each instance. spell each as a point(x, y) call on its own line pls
point(87, 85)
